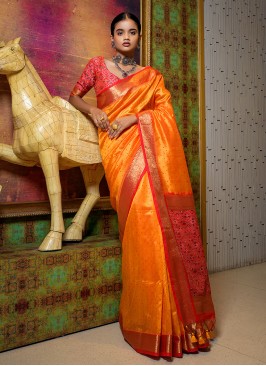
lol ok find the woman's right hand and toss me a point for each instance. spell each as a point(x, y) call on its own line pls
point(99, 118)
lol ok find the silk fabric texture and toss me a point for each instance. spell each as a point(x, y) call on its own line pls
point(166, 306)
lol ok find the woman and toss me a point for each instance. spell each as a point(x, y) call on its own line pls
point(166, 307)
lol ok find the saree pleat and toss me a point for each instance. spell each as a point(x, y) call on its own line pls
point(166, 307)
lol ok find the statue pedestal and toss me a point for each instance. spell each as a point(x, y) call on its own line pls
point(50, 294)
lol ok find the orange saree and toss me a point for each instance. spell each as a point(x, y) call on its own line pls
point(166, 307)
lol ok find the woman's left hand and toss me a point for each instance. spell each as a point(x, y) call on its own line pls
point(120, 125)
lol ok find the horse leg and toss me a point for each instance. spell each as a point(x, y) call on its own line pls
point(92, 175)
point(49, 163)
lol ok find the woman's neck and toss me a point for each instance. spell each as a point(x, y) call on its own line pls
point(123, 55)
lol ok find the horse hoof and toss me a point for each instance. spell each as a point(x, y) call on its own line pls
point(73, 233)
point(52, 241)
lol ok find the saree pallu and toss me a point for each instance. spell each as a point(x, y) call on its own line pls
point(166, 306)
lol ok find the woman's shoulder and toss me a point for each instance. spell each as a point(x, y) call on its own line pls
point(95, 63)
point(96, 60)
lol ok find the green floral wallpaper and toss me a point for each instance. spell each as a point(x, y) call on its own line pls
point(174, 52)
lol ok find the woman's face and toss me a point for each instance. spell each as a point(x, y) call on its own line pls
point(126, 36)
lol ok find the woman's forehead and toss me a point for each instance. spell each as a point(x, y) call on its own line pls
point(126, 24)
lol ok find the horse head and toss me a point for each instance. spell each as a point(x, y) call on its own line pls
point(12, 57)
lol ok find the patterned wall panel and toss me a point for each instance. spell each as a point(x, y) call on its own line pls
point(174, 52)
point(51, 294)
point(236, 132)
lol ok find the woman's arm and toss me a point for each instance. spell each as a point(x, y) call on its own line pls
point(98, 116)
point(122, 124)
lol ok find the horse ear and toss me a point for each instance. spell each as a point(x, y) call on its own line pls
point(17, 40)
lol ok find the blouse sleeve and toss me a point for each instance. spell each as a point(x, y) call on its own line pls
point(86, 80)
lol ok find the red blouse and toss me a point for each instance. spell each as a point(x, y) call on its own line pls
point(95, 74)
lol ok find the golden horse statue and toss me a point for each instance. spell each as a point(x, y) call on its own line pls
point(49, 132)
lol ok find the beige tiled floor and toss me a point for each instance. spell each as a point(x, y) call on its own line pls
point(240, 300)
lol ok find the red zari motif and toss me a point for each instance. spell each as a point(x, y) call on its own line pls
point(187, 234)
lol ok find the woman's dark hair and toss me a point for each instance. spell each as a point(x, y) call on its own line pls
point(123, 16)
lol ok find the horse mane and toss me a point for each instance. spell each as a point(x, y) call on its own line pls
point(37, 77)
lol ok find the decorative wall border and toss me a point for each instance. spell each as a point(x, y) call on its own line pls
point(43, 208)
point(146, 32)
point(202, 124)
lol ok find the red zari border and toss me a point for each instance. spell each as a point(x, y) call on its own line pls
point(184, 202)
point(186, 305)
point(161, 345)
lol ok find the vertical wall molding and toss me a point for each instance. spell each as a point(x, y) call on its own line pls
point(235, 78)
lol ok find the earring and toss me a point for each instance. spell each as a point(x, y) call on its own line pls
point(138, 46)
point(113, 44)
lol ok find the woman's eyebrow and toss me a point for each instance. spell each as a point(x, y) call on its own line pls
point(121, 29)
